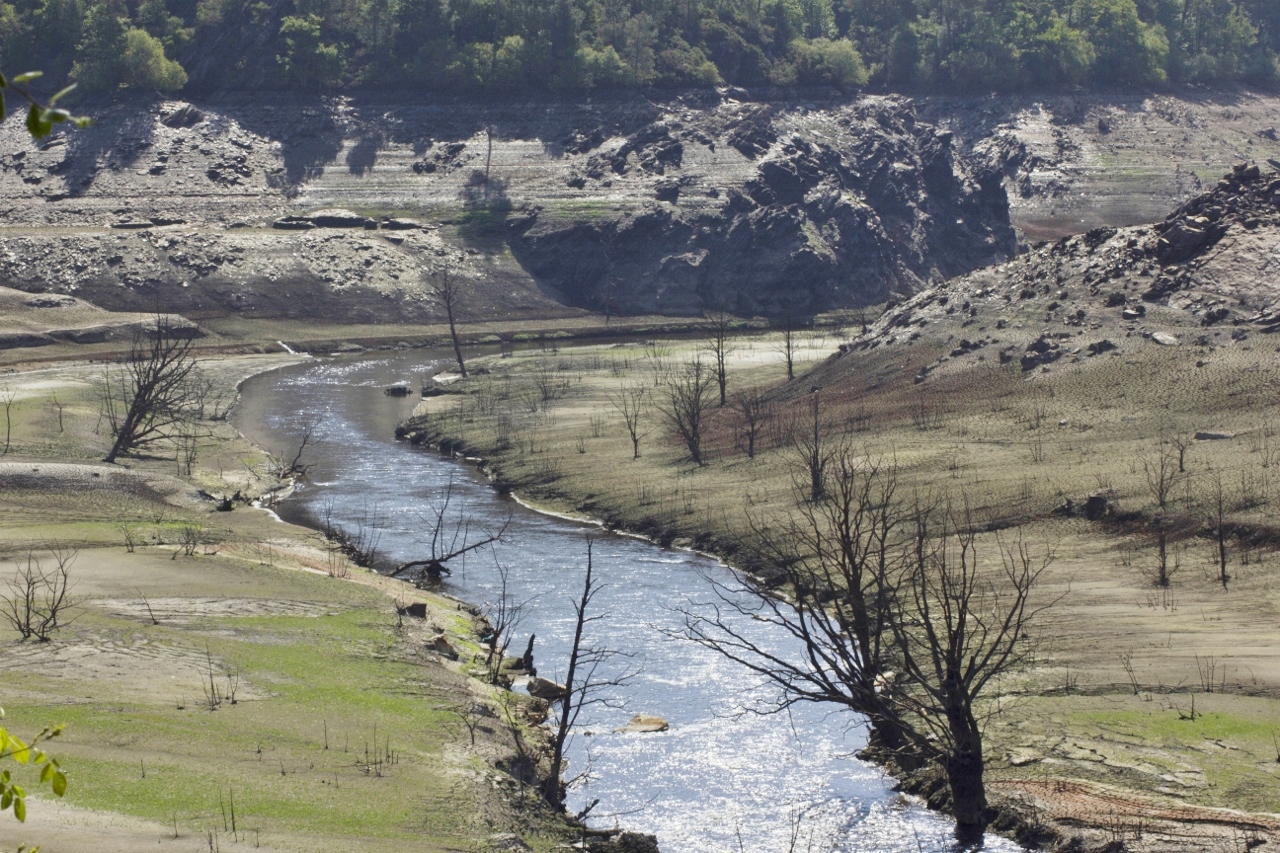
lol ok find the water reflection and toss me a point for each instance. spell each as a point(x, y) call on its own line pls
point(719, 781)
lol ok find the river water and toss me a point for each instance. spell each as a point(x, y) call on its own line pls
point(720, 780)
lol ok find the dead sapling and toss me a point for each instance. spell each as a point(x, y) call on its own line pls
point(454, 533)
point(39, 600)
point(592, 678)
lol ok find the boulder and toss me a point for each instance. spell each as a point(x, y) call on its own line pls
point(441, 646)
point(184, 115)
point(543, 688)
point(1164, 339)
point(642, 723)
point(338, 218)
point(1097, 505)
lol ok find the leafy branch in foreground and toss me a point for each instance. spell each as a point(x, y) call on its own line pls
point(12, 795)
point(40, 118)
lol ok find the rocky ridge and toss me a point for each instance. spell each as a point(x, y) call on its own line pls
point(1203, 276)
point(633, 206)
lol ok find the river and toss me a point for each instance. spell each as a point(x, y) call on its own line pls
point(720, 780)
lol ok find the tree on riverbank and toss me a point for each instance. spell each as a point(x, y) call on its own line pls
point(895, 617)
point(445, 288)
point(585, 684)
point(686, 402)
point(153, 395)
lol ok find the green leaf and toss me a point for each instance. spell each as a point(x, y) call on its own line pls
point(19, 750)
point(6, 799)
point(58, 95)
point(60, 783)
point(39, 127)
point(3, 83)
point(46, 774)
point(20, 810)
point(57, 116)
point(82, 121)
point(27, 77)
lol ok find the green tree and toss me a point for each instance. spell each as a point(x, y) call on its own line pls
point(1128, 52)
point(823, 62)
point(145, 66)
point(1058, 54)
point(153, 16)
point(307, 59)
point(101, 50)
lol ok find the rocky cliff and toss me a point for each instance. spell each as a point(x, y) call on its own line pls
point(705, 201)
point(712, 200)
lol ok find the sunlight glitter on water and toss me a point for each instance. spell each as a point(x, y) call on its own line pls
point(719, 781)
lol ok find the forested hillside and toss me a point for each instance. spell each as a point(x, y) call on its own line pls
point(520, 46)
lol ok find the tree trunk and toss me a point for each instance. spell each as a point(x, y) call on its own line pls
point(968, 794)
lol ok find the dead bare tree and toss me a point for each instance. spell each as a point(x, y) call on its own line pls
point(39, 599)
point(894, 620)
point(453, 534)
point(686, 403)
point(839, 562)
point(286, 467)
point(446, 288)
point(958, 629)
point(720, 346)
point(6, 399)
point(585, 684)
point(630, 401)
point(1163, 476)
point(1216, 517)
point(504, 615)
point(753, 414)
point(150, 397)
point(815, 449)
point(787, 346)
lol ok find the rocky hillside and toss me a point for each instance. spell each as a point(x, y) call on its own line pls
point(1204, 276)
point(634, 207)
point(710, 200)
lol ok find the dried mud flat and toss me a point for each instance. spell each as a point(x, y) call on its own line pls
point(1138, 823)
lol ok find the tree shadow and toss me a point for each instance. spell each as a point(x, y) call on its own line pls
point(485, 208)
point(364, 154)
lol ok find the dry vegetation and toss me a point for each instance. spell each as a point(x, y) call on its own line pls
point(1168, 690)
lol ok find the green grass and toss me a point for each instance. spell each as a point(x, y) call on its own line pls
point(341, 670)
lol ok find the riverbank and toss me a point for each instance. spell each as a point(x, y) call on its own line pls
point(1098, 739)
point(215, 657)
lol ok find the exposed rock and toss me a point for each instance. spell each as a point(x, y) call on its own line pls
point(416, 609)
point(1214, 435)
point(337, 218)
point(1098, 505)
point(1164, 339)
point(626, 842)
point(543, 688)
point(182, 115)
point(441, 646)
point(642, 723)
point(885, 206)
point(1043, 350)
